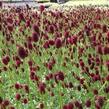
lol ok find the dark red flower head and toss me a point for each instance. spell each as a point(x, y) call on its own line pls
point(88, 103)
point(58, 43)
point(21, 16)
point(41, 105)
point(17, 86)
point(6, 103)
point(1, 100)
point(36, 28)
point(51, 29)
point(104, 28)
point(11, 107)
point(66, 34)
point(22, 52)
point(42, 87)
point(9, 20)
point(0, 4)
point(78, 105)
point(5, 60)
point(65, 106)
point(107, 64)
point(107, 77)
point(42, 8)
point(35, 37)
point(59, 76)
point(46, 45)
point(10, 28)
point(106, 50)
point(99, 101)
point(108, 36)
point(51, 42)
point(25, 100)
point(73, 39)
point(18, 96)
point(70, 105)
point(100, 49)
point(26, 87)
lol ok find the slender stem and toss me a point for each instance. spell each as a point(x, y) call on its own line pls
point(60, 98)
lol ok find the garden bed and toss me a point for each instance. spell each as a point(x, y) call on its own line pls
point(54, 58)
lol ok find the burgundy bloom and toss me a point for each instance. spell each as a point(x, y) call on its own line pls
point(36, 28)
point(11, 107)
point(88, 103)
point(21, 17)
point(30, 63)
point(65, 106)
point(99, 101)
point(22, 52)
point(18, 96)
point(51, 29)
point(28, 23)
point(10, 28)
point(32, 75)
point(42, 87)
point(73, 39)
point(51, 42)
point(17, 86)
point(97, 61)
point(108, 36)
point(89, 61)
point(70, 85)
point(36, 78)
point(0, 4)
point(81, 63)
point(5, 68)
point(66, 34)
point(107, 89)
point(107, 64)
point(42, 8)
point(78, 105)
point(5, 60)
point(96, 77)
point(18, 62)
point(41, 105)
point(30, 46)
point(25, 100)
point(95, 91)
point(70, 105)
point(59, 76)
point(46, 45)
point(50, 66)
point(26, 87)
point(104, 28)
point(9, 20)
point(1, 100)
point(106, 50)
point(58, 43)
point(35, 37)
point(6, 103)
point(100, 49)
point(107, 77)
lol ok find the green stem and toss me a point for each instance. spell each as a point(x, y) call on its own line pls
point(60, 97)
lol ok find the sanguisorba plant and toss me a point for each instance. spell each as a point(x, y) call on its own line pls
point(54, 59)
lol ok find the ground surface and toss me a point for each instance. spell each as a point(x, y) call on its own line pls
point(55, 5)
point(82, 2)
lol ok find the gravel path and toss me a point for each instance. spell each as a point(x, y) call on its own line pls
point(84, 2)
point(32, 3)
point(23, 3)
